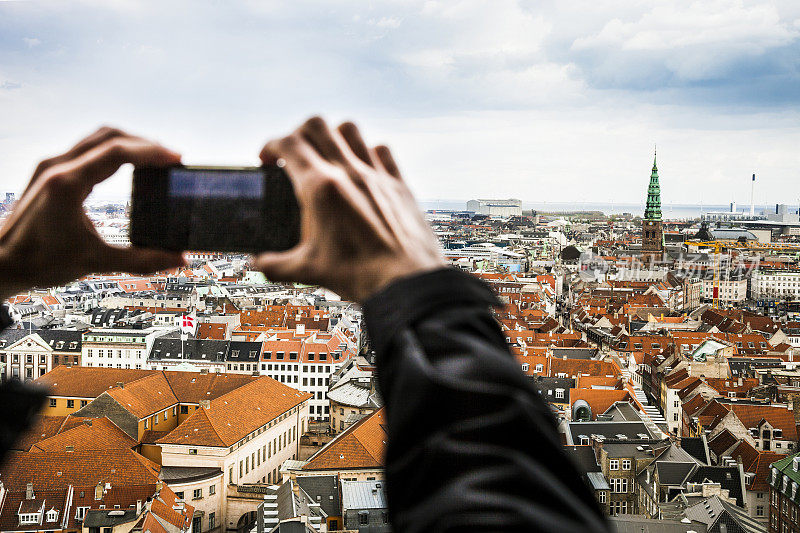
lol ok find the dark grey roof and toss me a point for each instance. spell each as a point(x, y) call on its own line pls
point(574, 353)
point(243, 351)
point(108, 517)
point(324, 490)
point(637, 524)
point(714, 512)
point(609, 430)
point(583, 457)
point(745, 366)
point(727, 476)
point(696, 447)
point(547, 388)
point(10, 336)
point(167, 348)
point(185, 474)
point(673, 473)
point(54, 336)
point(623, 412)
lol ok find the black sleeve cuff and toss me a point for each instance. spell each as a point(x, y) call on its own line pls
point(409, 299)
point(6, 319)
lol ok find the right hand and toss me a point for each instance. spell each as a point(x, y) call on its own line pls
point(361, 228)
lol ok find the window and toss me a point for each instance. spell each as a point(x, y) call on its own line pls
point(759, 510)
point(70, 404)
point(192, 451)
point(619, 485)
point(52, 402)
point(212, 520)
point(28, 518)
point(184, 409)
point(52, 515)
point(363, 518)
point(80, 512)
point(212, 489)
point(613, 464)
point(197, 494)
point(601, 496)
point(626, 464)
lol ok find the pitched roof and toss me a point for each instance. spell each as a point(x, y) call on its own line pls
point(90, 435)
point(599, 399)
point(146, 396)
point(232, 416)
point(42, 427)
point(362, 445)
point(777, 416)
point(55, 470)
point(87, 382)
point(191, 387)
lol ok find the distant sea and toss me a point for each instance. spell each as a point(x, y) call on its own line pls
point(669, 211)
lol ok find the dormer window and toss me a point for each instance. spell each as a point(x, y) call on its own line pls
point(29, 518)
point(52, 515)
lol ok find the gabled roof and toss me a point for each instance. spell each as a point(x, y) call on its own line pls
point(361, 446)
point(55, 470)
point(777, 416)
point(90, 435)
point(146, 396)
point(232, 416)
point(87, 382)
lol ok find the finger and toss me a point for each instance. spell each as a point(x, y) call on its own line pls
point(105, 159)
point(355, 142)
point(138, 260)
point(316, 131)
point(101, 135)
point(384, 155)
point(291, 265)
point(297, 155)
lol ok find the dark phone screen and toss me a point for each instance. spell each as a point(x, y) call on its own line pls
point(214, 209)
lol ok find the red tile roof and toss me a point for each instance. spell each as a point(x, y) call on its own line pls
point(361, 446)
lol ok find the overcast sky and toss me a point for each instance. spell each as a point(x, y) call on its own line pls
point(544, 101)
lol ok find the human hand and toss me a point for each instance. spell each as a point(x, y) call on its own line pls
point(49, 239)
point(361, 228)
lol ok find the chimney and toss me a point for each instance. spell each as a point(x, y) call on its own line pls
point(205, 404)
point(138, 507)
point(29, 491)
point(300, 328)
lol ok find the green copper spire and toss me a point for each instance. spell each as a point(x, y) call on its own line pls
point(653, 209)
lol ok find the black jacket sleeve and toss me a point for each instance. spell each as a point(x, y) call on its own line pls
point(471, 446)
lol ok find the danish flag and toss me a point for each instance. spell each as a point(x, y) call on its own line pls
point(187, 324)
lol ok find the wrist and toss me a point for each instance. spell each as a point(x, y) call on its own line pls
point(389, 272)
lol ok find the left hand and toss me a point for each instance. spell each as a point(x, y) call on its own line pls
point(49, 240)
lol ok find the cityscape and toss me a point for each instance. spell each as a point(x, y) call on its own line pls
point(541, 269)
point(208, 398)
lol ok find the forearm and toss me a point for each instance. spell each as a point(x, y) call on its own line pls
point(470, 441)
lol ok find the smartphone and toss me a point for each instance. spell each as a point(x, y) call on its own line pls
point(215, 209)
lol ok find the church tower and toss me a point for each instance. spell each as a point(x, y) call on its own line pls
point(652, 232)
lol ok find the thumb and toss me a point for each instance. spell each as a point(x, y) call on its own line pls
point(139, 260)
